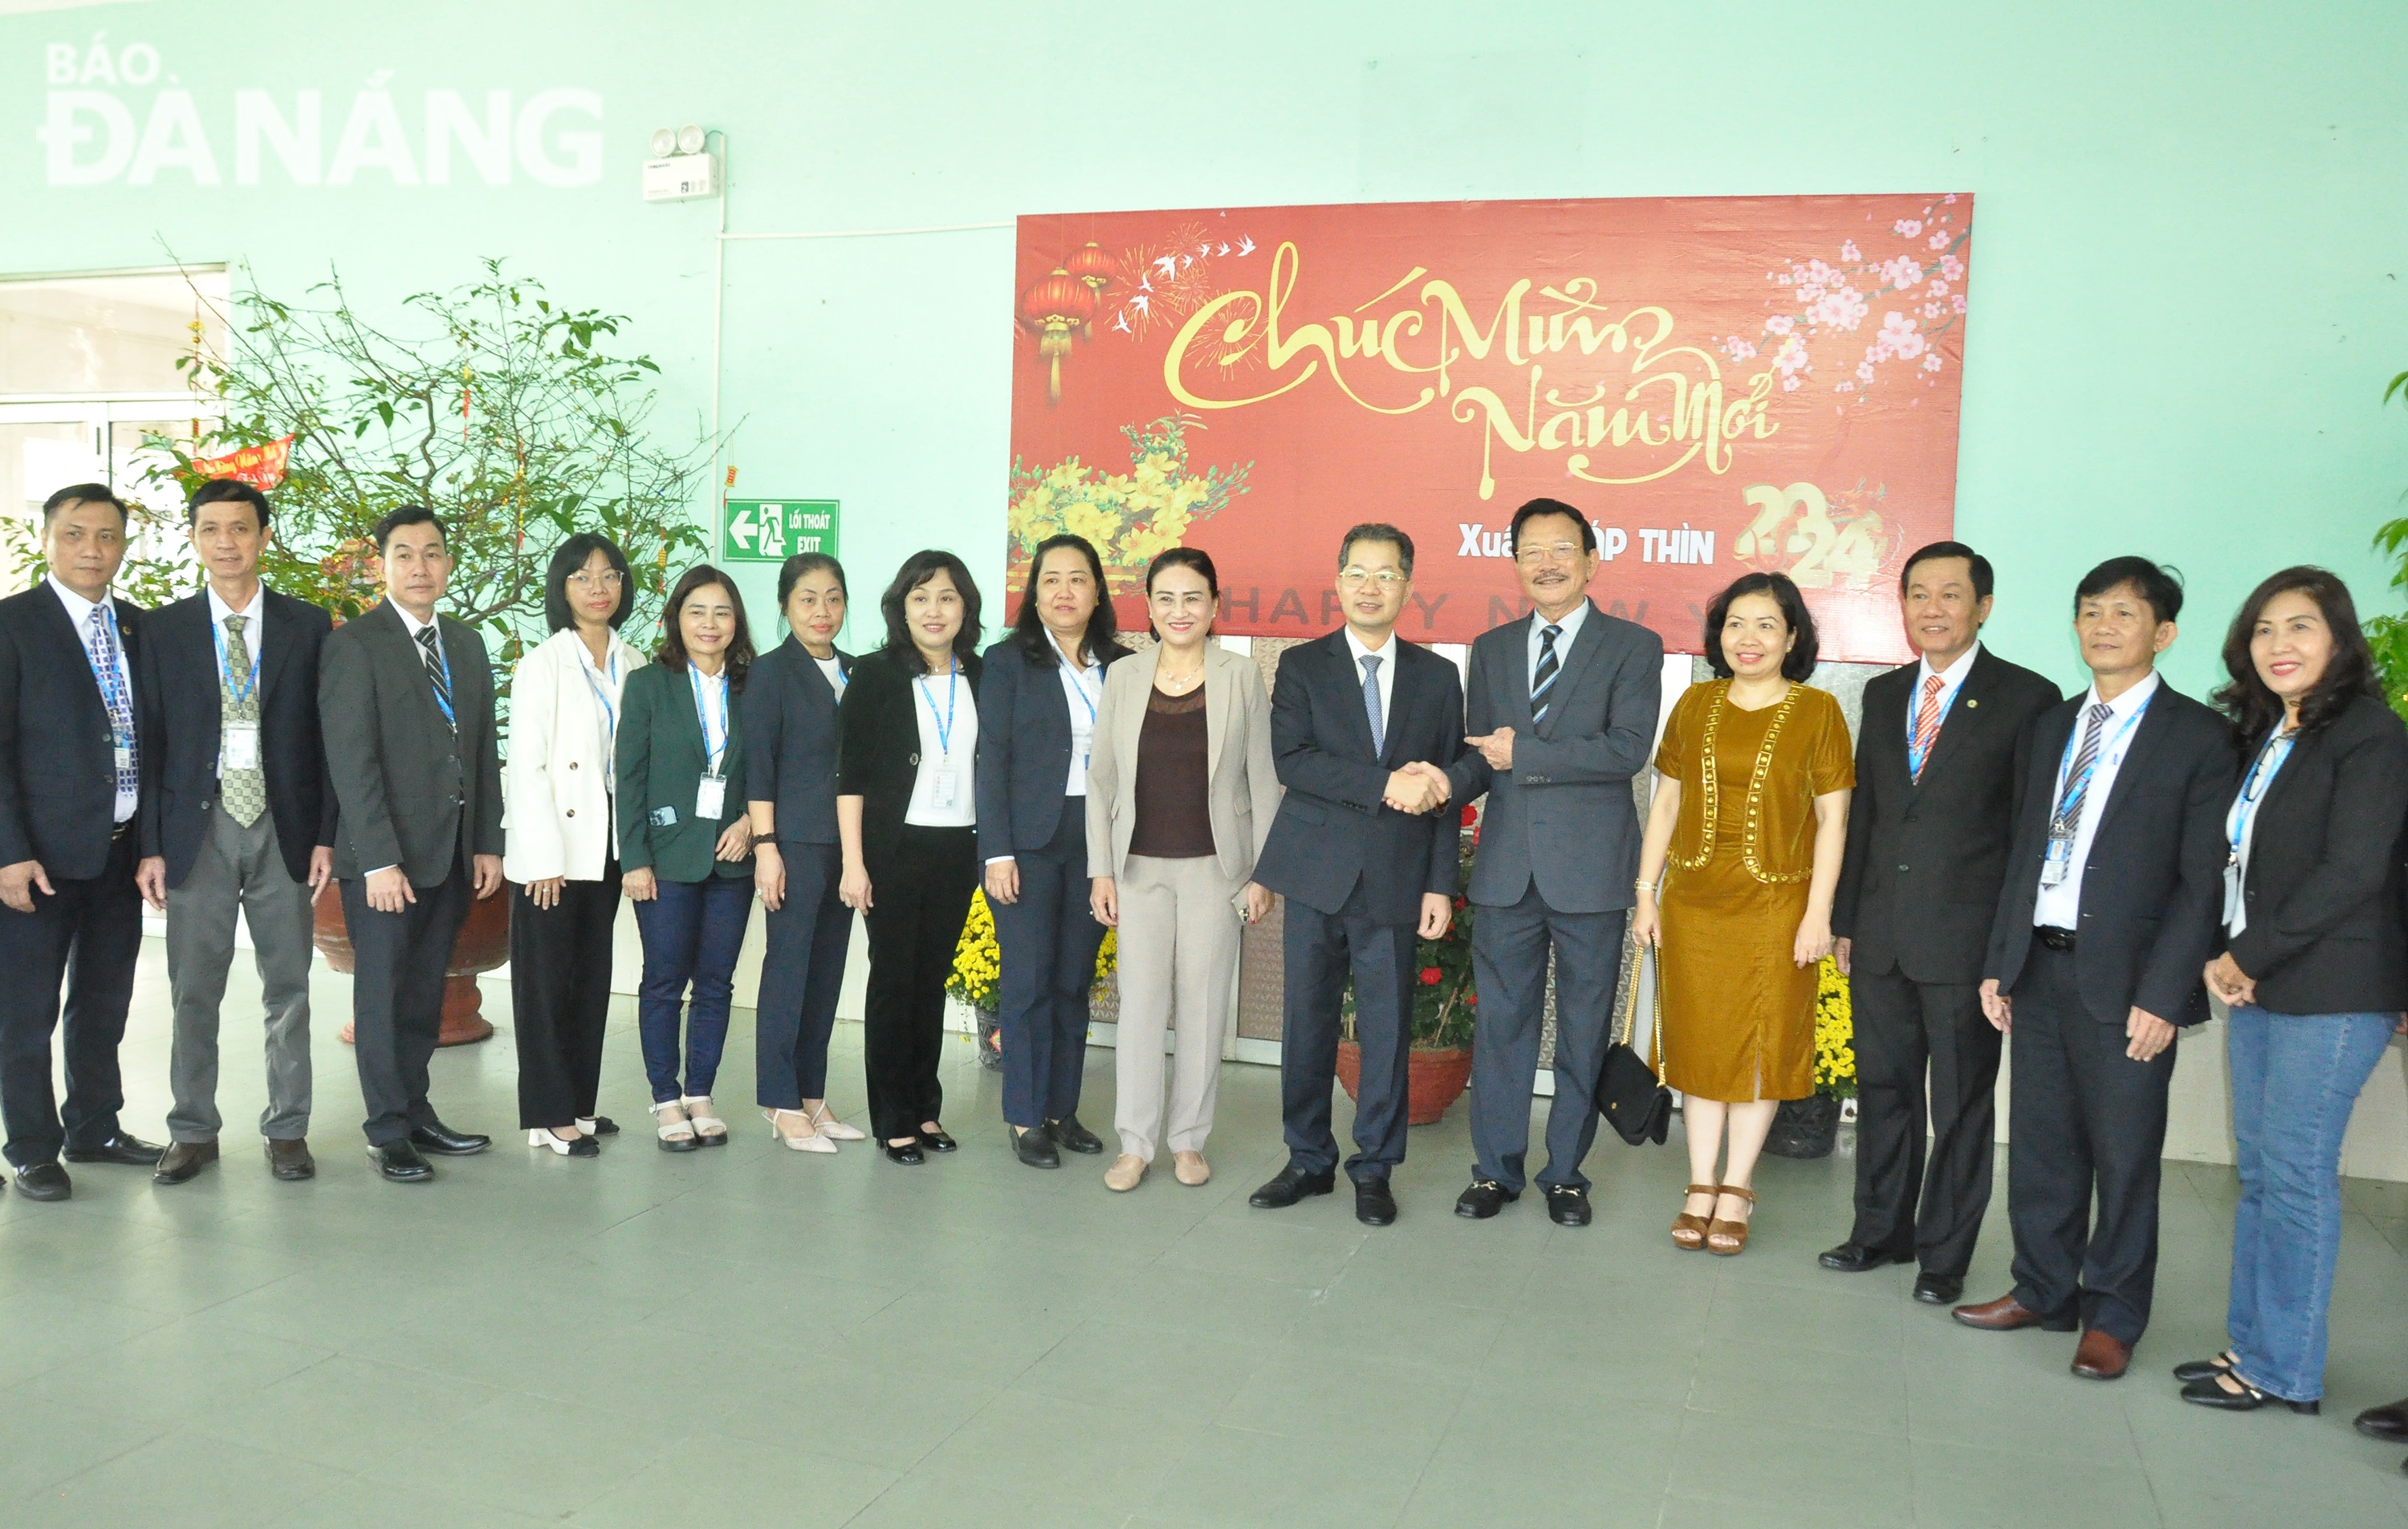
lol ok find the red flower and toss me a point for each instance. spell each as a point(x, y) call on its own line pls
point(1470, 815)
point(1430, 976)
point(1472, 998)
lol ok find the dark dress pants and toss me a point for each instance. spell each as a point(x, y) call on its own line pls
point(692, 932)
point(560, 997)
point(918, 902)
point(2082, 1117)
point(802, 969)
point(1508, 961)
point(88, 935)
point(1048, 942)
point(1322, 949)
point(1906, 1030)
point(398, 962)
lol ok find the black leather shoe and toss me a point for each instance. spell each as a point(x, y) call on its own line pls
point(908, 1154)
point(936, 1142)
point(1071, 1136)
point(603, 1126)
point(1856, 1258)
point(289, 1160)
point(1035, 1148)
point(2388, 1421)
point(184, 1160)
point(1291, 1185)
point(399, 1161)
point(1567, 1205)
point(44, 1181)
point(2210, 1392)
point(1484, 1199)
point(1373, 1205)
point(443, 1141)
point(132, 1151)
point(1939, 1289)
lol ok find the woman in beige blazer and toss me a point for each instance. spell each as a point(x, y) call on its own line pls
point(1180, 795)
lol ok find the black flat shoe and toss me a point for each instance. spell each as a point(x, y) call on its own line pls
point(1035, 1148)
point(399, 1161)
point(1484, 1199)
point(1373, 1205)
point(1071, 1136)
point(443, 1141)
point(936, 1142)
point(1567, 1205)
point(1856, 1258)
point(1939, 1289)
point(2207, 1393)
point(2388, 1421)
point(2203, 1369)
point(44, 1181)
point(123, 1147)
point(1290, 1185)
point(598, 1126)
point(908, 1154)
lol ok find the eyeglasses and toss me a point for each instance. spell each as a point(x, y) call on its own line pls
point(609, 578)
point(1384, 580)
point(1562, 551)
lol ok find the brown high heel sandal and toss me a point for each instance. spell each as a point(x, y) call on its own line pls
point(1728, 1239)
point(1689, 1232)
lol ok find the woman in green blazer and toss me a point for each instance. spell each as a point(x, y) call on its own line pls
point(686, 844)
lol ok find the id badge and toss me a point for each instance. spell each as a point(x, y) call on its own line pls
point(241, 745)
point(710, 797)
point(123, 755)
point(662, 817)
point(2231, 890)
point(944, 789)
point(2059, 861)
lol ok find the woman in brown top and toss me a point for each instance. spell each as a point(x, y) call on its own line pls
point(1751, 811)
point(1179, 794)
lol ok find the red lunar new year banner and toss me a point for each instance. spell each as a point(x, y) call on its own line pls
point(261, 466)
point(1719, 385)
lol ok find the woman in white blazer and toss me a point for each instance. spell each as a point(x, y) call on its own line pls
point(1181, 795)
point(562, 844)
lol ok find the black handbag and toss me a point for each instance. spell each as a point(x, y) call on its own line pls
point(1629, 1093)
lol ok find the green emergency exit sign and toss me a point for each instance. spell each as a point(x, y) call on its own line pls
point(774, 530)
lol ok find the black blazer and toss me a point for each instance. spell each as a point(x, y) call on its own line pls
point(182, 725)
point(1926, 859)
point(1333, 829)
point(411, 794)
point(2154, 885)
point(58, 758)
point(1023, 753)
point(2323, 888)
point(789, 741)
point(879, 751)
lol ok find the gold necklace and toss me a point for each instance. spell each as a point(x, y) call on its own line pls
point(1178, 683)
point(1710, 788)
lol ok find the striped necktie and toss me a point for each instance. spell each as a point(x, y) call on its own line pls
point(1927, 724)
point(1542, 679)
point(2077, 776)
point(432, 658)
point(243, 793)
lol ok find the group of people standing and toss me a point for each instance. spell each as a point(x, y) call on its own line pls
point(1992, 865)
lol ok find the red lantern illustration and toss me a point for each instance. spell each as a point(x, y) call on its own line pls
point(1090, 265)
point(1052, 308)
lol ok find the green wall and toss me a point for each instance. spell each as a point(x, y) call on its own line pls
point(2188, 292)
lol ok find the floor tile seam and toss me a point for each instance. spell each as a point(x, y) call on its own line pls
point(161, 1431)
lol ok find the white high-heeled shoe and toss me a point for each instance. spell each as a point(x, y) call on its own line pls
point(808, 1142)
point(828, 1125)
point(708, 1128)
point(577, 1146)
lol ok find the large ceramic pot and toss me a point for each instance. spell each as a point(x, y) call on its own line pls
point(1806, 1127)
point(1434, 1078)
point(483, 944)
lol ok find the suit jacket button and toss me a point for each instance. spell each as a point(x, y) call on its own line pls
point(572, 812)
point(572, 763)
point(1902, 869)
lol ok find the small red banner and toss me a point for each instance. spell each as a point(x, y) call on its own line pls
point(261, 466)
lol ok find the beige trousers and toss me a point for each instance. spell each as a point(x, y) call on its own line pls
point(1178, 955)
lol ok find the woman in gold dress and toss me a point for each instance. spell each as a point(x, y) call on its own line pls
point(1751, 811)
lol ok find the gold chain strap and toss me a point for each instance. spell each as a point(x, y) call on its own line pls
point(1710, 784)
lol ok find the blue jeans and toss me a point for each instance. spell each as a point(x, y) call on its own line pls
point(692, 934)
point(2295, 1078)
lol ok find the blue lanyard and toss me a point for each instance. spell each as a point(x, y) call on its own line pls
point(712, 753)
point(242, 696)
point(602, 697)
point(945, 723)
point(1078, 683)
point(2081, 782)
point(1914, 756)
point(2252, 787)
point(115, 696)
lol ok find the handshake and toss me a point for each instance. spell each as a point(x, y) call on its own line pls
point(1419, 787)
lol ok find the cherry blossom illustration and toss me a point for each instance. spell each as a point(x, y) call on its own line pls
point(1903, 297)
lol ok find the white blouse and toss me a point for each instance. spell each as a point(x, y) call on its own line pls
point(944, 792)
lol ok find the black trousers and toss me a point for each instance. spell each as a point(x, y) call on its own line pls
point(2082, 1118)
point(918, 902)
point(88, 935)
point(560, 997)
point(1322, 949)
point(398, 962)
point(802, 968)
point(1929, 1210)
point(1047, 942)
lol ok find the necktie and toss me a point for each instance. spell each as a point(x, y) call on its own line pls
point(1371, 703)
point(1927, 724)
point(1543, 680)
point(433, 657)
point(243, 793)
point(2077, 778)
point(113, 694)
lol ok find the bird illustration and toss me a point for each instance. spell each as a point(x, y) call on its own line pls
point(1122, 323)
point(1204, 249)
point(1144, 284)
point(1143, 305)
point(1169, 265)
point(1245, 245)
point(1223, 250)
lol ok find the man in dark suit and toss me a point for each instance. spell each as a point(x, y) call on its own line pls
point(406, 701)
point(1365, 865)
point(1940, 762)
point(70, 789)
point(2114, 878)
point(238, 819)
point(1562, 714)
